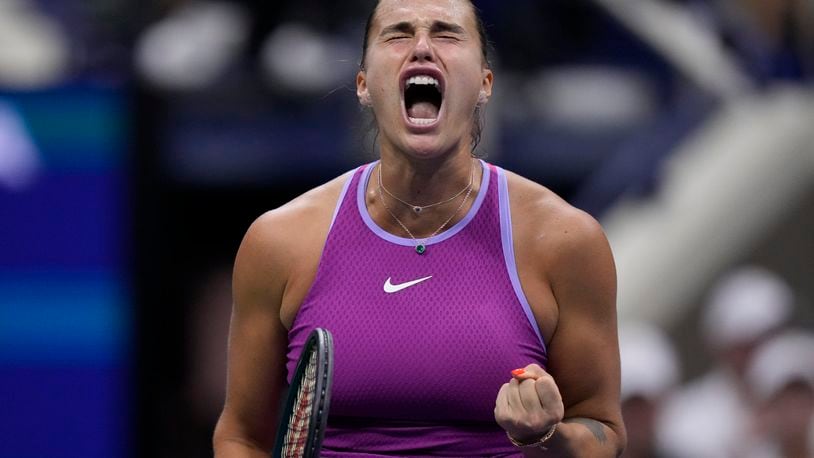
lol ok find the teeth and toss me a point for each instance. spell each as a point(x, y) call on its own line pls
point(422, 121)
point(423, 80)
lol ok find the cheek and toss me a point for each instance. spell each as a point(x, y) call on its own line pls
point(378, 90)
point(468, 81)
point(380, 76)
point(464, 96)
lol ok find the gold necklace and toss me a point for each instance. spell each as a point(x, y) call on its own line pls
point(421, 246)
point(420, 208)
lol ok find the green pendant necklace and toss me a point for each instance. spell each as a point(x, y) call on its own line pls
point(421, 244)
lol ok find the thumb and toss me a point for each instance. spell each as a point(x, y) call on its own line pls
point(532, 371)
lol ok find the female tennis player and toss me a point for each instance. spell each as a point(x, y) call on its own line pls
point(472, 310)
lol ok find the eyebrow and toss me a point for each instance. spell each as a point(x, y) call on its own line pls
point(401, 27)
point(437, 27)
point(441, 26)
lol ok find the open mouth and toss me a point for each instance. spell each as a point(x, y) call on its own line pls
point(422, 99)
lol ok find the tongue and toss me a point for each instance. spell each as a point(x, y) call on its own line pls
point(423, 110)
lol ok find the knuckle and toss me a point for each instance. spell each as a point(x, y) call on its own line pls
point(537, 422)
point(546, 378)
point(526, 382)
point(524, 423)
point(516, 423)
point(547, 383)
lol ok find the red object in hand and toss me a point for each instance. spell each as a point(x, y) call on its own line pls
point(518, 372)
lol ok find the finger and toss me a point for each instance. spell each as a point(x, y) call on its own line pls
point(532, 371)
point(502, 402)
point(529, 396)
point(549, 395)
point(535, 370)
point(513, 395)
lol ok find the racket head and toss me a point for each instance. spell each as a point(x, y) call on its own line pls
point(305, 412)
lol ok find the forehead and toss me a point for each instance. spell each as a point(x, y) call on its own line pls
point(424, 12)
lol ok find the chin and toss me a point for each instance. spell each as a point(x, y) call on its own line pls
point(428, 149)
point(423, 146)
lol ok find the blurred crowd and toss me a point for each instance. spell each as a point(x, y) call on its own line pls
point(756, 398)
point(553, 61)
point(221, 69)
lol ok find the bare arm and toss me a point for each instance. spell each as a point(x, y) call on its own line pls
point(584, 350)
point(572, 281)
point(274, 268)
point(257, 345)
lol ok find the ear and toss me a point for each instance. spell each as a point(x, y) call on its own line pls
point(362, 92)
point(486, 87)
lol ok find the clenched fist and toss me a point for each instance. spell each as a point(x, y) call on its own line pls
point(529, 405)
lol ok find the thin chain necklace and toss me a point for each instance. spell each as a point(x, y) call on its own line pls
point(421, 246)
point(418, 209)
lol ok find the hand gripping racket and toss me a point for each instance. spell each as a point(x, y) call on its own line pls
point(305, 413)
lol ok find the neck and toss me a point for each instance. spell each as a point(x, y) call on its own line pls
point(424, 181)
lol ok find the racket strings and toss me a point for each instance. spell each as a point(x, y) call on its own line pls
point(299, 421)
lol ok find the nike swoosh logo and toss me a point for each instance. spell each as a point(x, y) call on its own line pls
point(390, 288)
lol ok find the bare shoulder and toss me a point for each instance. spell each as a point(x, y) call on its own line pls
point(546, 223)
point(271, 257)
point(280, 238)
point(289, 221)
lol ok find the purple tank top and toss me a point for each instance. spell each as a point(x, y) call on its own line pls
point(417, 369)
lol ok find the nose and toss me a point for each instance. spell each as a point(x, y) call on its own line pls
point(423, 50)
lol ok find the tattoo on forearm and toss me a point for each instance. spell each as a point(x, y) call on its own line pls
point(597, 428)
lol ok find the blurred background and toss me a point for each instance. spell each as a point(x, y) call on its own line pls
point(138, 141)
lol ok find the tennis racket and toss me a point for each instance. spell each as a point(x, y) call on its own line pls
point(305, 414)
